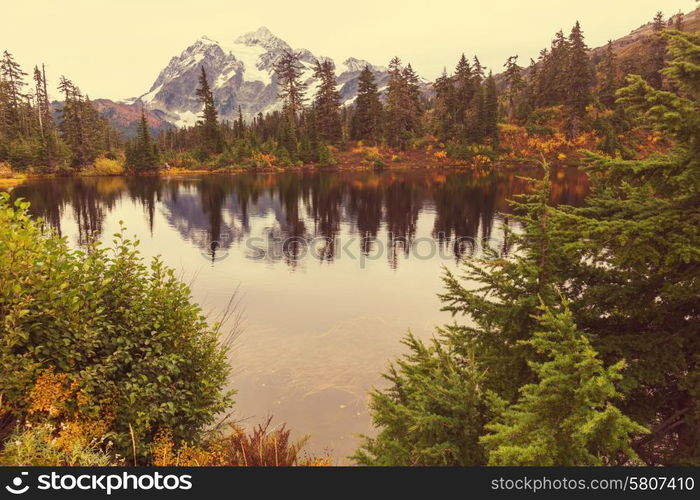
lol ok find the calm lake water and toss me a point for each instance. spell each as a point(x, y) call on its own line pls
point(332, 268)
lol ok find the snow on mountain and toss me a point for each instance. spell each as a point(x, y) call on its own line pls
point(240, 73)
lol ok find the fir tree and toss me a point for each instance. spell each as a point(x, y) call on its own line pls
point(491, 109)
point(433, 414)
point(514, 85)
point(13, 77)
point(142, 154)
point(460, 94)
point(327, 102)
point(634, 278)
point(368, 108)
point(656, 53)
point(579, 79)
point(609, 82)
point(567, 417)
point(288, 72)
point(208, 123)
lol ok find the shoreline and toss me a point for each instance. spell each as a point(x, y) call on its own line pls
point(498, 165)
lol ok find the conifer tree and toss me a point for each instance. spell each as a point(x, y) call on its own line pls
point(514, 85)
point(142, 154)
point(609, 81)
point(491, 109)
point(433, 414)
point(444, 109)
point(208, 124)
point(578, 78)
point(567, 417)
point(368, 108)
point(403, 107)
point(656, 53)
point(464, 84)
point(288, 72)
point(13, 76)
point(327, 102)
point(635, 276)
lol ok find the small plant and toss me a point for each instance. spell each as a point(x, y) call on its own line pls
point(38, 446)
point(373, 158)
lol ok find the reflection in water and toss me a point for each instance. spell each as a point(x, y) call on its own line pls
point(213, 212)
point(320, 326)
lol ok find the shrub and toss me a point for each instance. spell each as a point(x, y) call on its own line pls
point(127, 335)
point(262, 447)
point(373, 158)
point(106, 166)
point(326, 158)
point(36, 446)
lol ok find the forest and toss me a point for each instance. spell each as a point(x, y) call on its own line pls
point(562, 102)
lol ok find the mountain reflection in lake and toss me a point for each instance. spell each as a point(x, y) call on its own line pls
point(333, 267)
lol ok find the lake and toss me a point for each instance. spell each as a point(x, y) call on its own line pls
point(331, 268)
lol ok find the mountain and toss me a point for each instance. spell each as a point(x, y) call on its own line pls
point(125, 116)
point(240, 74)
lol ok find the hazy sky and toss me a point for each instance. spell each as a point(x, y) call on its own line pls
point(115, 48)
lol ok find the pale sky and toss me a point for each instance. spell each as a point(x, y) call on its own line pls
point(116, 48)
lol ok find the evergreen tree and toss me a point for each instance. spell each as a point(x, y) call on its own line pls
point(566, 417)
point(368, 108)
point(491, 109)
point(288, 72)
point(579, 79)
point(13, 78)
point(327, 102)
point(444, 109)
point(514, 85)
point(433, 414)
point(464, 86)
point(142, 154)
point(208, 124)
point(656, 53)
point(635, 276)
point(609, 81)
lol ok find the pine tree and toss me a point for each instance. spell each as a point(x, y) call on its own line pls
point(491, 109)
point(396, 112)
point(327, 102)
point(514, 85)
point(579, 79)
point(609, 81)
point(445, 112)
point(634, 278)
point(208, 124)
point(142, 154)
point(567, 417)
point(368, 108)
point(656, 53)
point(433, 414)
point(464, 84)
point(288, 72)
point(13, 76)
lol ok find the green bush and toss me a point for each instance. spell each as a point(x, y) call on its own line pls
point(140, 350)
point(326, 158)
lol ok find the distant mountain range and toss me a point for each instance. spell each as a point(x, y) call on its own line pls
point(241, 74)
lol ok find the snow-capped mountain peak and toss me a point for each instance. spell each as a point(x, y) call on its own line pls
point(263, 37)
point(353, 64)
point(240, 73)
